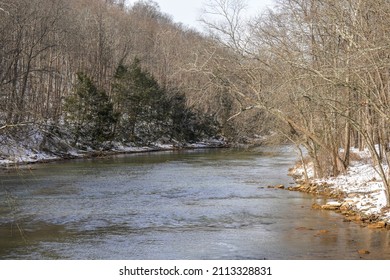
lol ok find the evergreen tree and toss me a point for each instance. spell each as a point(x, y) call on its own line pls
point(148, 112)
point(189, 125)
point(141, 103)
point(89, 113)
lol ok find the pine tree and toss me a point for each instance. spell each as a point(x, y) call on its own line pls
point(89, 113)
point(141, 103)
point(148, 112)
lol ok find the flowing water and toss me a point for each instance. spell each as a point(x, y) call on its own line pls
point(199, 204)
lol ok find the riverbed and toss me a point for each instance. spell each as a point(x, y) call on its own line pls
point(194, 204)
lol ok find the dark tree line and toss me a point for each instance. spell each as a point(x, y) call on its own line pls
point(139, 112)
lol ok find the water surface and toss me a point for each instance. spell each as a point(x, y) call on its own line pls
point(200, 204)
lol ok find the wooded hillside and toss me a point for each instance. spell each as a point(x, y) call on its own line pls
point(57, 57)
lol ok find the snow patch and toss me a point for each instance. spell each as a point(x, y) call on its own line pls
point(361, 184)
point(37, 148)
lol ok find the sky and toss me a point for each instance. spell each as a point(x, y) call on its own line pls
point(188, 11)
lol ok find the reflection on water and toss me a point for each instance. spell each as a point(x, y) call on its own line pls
point(210, 204)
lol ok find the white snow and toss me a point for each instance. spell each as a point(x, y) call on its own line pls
point(362, 185)
point(14, 152)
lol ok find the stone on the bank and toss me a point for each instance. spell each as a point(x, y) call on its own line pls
point(331, 206)
point(363, 252)
point(322, 232)
point(380, 224)
point(304, 188)
point(276, 187)
point(316, 206)
point(355, 218)
point(345, 207)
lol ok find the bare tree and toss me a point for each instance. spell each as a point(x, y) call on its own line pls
point(225, 20)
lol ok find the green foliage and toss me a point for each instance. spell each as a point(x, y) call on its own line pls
point(141, 112)
point(188, 125)
point(148, 112)
point(140, 103)
point(89, 113)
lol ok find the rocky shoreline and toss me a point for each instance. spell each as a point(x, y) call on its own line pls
point(339, 202)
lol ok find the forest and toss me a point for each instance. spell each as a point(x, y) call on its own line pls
point(96, 72)
point(315, 73)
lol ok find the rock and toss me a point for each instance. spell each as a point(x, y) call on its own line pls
point(358, 218)
point(316, 206)
point(380, 224)
point(331, 206)
point(363, 252)
point(322, 232)
point(345, 207)
point(276, 187)
point(292, 188)
point(355, 218)
point(371, 219)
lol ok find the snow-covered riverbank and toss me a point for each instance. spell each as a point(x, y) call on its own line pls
point(359, 194)
point(14, 153)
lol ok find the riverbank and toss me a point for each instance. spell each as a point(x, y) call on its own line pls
point(18, 153)
point(359, 194)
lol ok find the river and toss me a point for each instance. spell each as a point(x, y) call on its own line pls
point(197, 204)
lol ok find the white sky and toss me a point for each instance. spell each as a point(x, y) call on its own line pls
point(188, 11)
